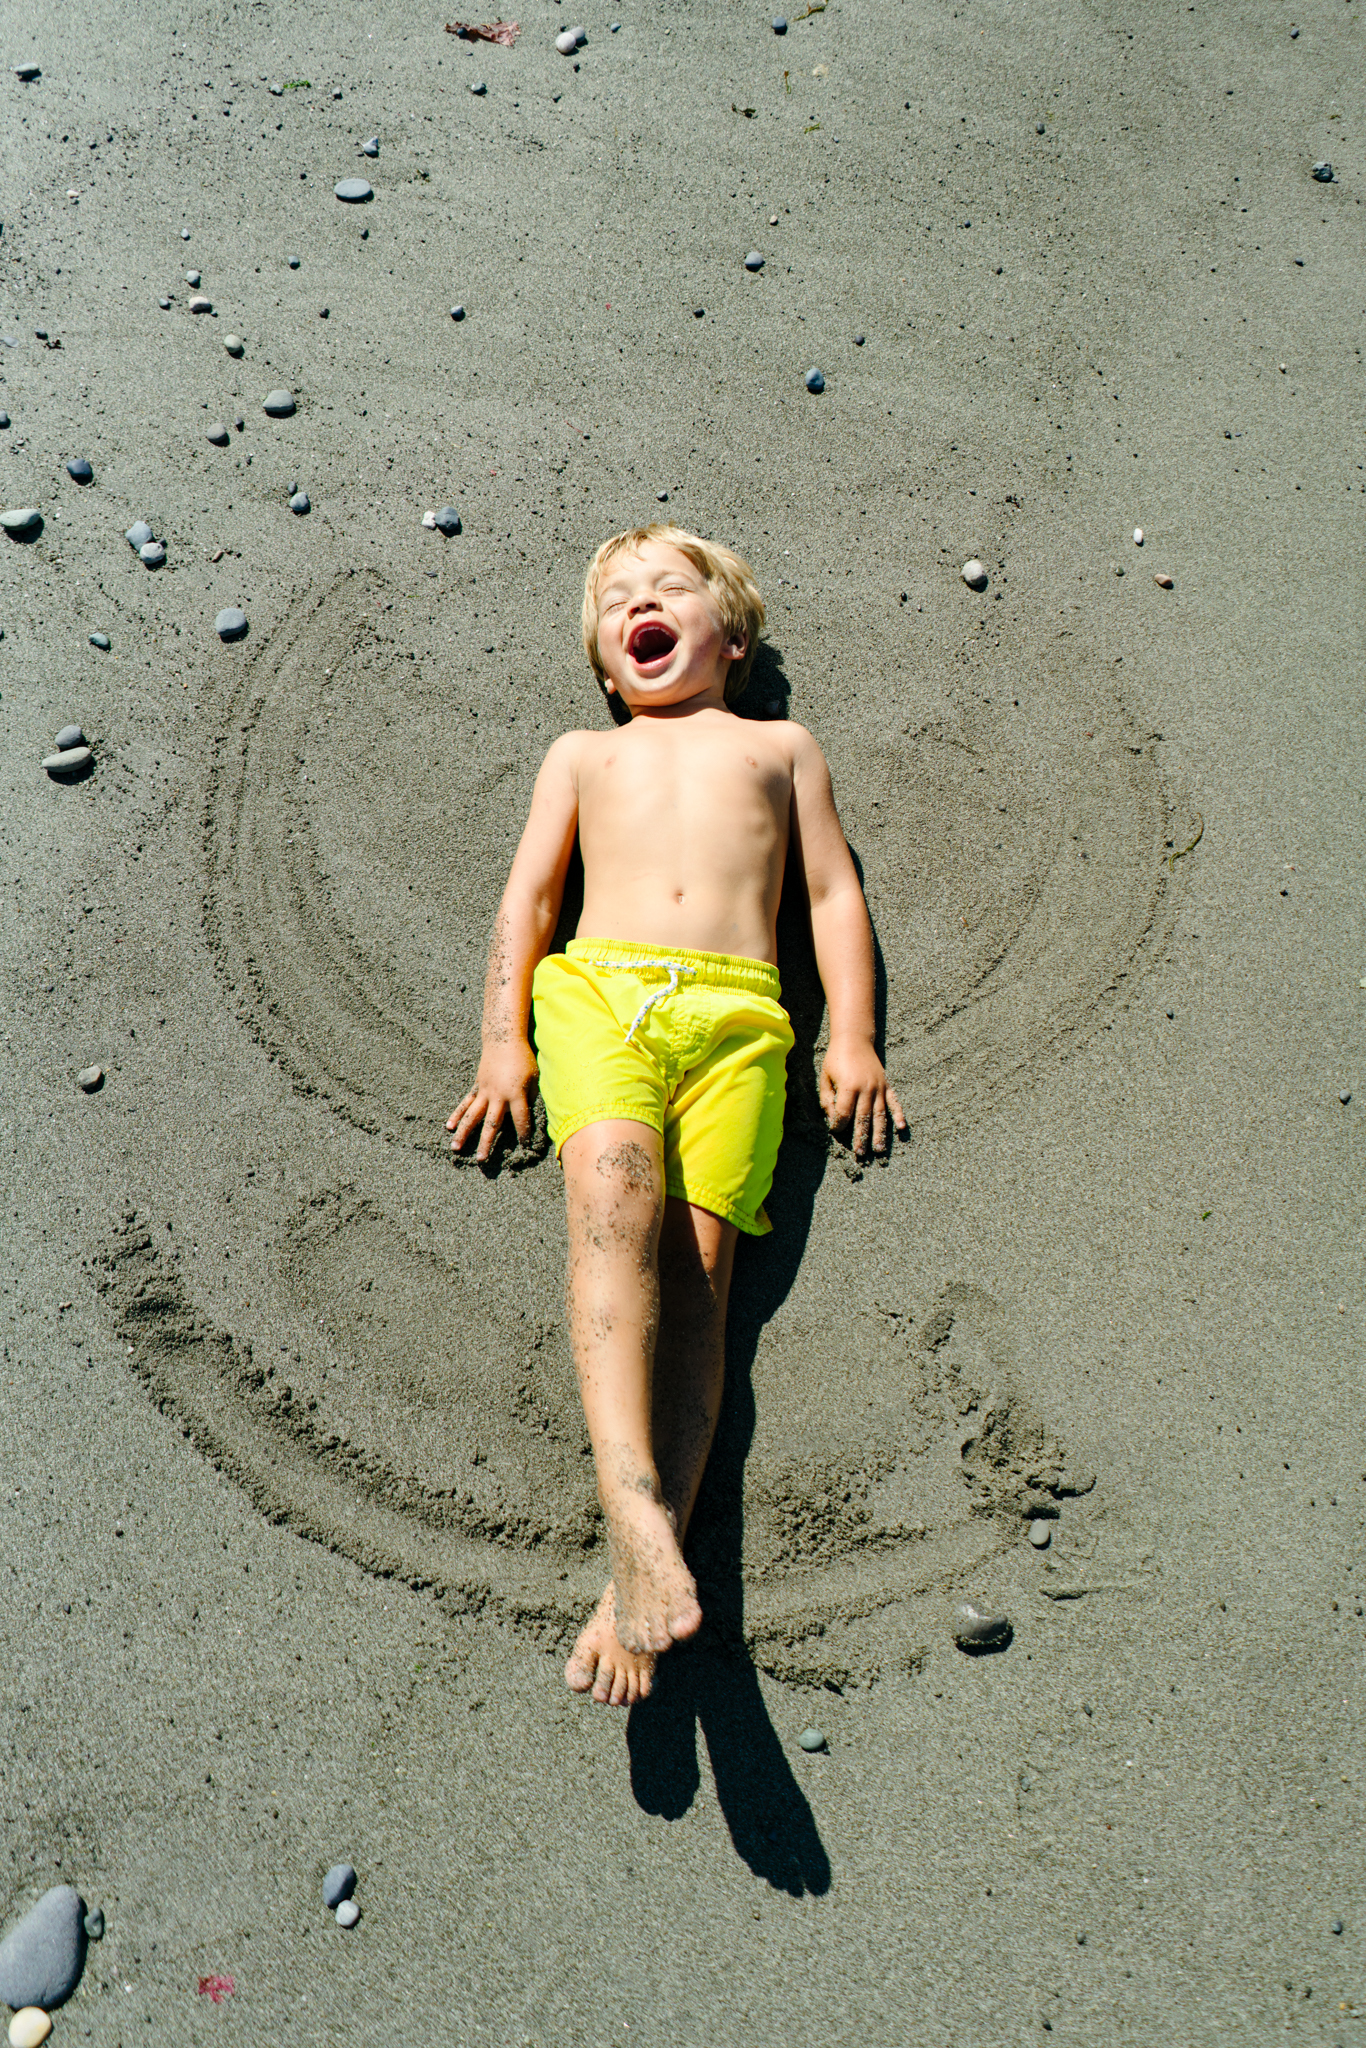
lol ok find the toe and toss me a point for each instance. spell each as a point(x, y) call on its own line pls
point(580, 1671)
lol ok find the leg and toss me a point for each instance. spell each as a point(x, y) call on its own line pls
point(614, 1192)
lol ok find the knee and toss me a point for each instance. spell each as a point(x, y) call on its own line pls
point(620, 1200)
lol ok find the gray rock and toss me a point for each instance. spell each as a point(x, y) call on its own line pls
point(184, 234)
point(24, 523)
point(138, 534)
point(1344, 1096)
point(1337, 1927)
point(199, 304)
point(192, 277)
point(1324, 173)
point(448, 521)
point(279, 404)
point(290, 489)
point(293, 262)
point(153, 553)
point(338, 1884)
point(234, 345)
point(165, 305)
point(240, 423)
point(90, 1080)
point(811, 1740)
point(780, 24)
point(355, 191)
point(348, 1913)
point(457, 312)
point(370, 148)
point(1040, 1532)
point(663, 497)
point(479, 88)
point(976, 1629)
point(568, 40)
point(218, 434)
point(28, 72)
point(79, 470)
point(754, 261)
point(41, 1959)
point(1039, 128)
point(65, 766)
point(231, 623)
point(70, 736)
point(94, 1919)
point(100, 640)
point(300, 503)
point(4, 419)
point(814, 381)
point(276, 89)
point(859, 340)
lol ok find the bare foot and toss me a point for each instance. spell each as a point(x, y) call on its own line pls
point(656, 1594)
point(617, 1677)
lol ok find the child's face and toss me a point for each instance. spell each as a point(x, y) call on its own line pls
point(659, 635)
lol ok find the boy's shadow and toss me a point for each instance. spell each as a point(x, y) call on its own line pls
point(712, 1683)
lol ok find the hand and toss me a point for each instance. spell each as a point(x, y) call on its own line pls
point(502, 1087)
point(854, 1085)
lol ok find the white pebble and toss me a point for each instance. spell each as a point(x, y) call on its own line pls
point(234, 344)
point(974, 574)
point(199, 304)
point(1138, 536)
point(348, 1913)
point(429, 519)
point(89, 1079)
point(28, 2027)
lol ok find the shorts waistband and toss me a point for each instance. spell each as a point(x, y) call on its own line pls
point(680, 964)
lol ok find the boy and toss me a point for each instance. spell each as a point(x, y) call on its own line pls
point(661, 1042)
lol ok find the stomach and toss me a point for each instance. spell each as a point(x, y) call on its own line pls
point(737, 922)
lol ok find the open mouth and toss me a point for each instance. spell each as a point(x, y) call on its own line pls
point(651, 642)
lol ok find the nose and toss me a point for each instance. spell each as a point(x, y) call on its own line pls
point(646, 601)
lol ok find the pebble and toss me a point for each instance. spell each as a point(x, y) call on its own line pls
point(90, 1079)
point(61, 766)
point(348, 1913)
point(429, 520)
point(138, 534)
point(218, 434)
point(811, 1740)
point(663, 497)
point(300, 502)
point(199, 304)
point(165, 305)
point(1038, 128)
point(975, 1628)
point(79, 470)
point(339, 1884)
point(192, 277)
point(231, 623)
point(1337, 1927)
point(780, 24)
point(153, 553)
point(184, 234)
point(102, 641)
point(234, 344)
point(1344, 1096)
point(1324, 173)
point(479, 88)
point(4, 419)
point(974, 574)
point(1041, 1532)
point(240, 423)
point(1163, 582)
point(41, 1959)
point(370, 148)
point(447, 521)
point(279, 404)
point(29, 2027)
point(457, 312)
point(28, 72)
point(22, 522)
point(815, 381)
point(570, 39)
point(293, 262)
point(70, 736)
point(353, 190)
point(1138, 536)
point(859, 340)
point(754, 261)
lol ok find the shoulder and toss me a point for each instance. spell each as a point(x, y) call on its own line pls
point(803, 747)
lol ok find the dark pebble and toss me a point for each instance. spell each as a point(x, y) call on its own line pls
point(1345, 1096)
point(231, 623)
point(1038, 128)
point(448, 521)
point(4, 419)
point(100, 640)
point(41, 1959)
point(457, 312)
point(815, 381)
point(1337, 1927)
point(780, 24)
point(218, 434)
point(293, 262)
point(339, 1884)
point(69, 736)
point(698, 312)
point(1324, 173)
point(79, 470)
point(94, 1923)
point(300, 502)
point(859, 340)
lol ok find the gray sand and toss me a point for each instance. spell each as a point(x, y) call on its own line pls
point(300, 1518)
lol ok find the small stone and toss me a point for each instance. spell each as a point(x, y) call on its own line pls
point(353, 190)
point(859, 340)
point(447, 521)
point(41, 1959)
point(192, 277)
point(324, 312)
point(569, 40)
point(64, 766)
point(1038, 128)
point(184, 234)
point(1324, 173)
point(138, 534)
point(199, 304)
point(22, 523)
point(218, 434)
point(28, 2027)
point(457, 312)
point(974, 573)
point(479, 88)
point(28, 72)
point(429, 520)
point(94, 1923)
point(4, 419)
point(976, 1629)
point(1138, 536)
point(663, 497)
point(338, 1884)
point(276, 89)
point(79, 470)
point(153, 553)
point(165, 305)
point(815, 381)
point(811, 1740)
point(1344, 1096)
point(699, 312)
point(780, 24)
point(240, 423)
point(300, 502)
point(279, 404)
point(1163, 582)
point(234, 344)
point(91, 1080)
point(70, 736)
point(348, 1913)
point(1040, 1533)
point(293, 262)
point(1337, 1927)
point(754, 261)
point(370, 148)
point(102, 641)
point(231, 623)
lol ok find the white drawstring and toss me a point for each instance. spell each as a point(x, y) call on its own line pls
point(673, 968)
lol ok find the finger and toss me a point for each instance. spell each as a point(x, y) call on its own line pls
point(879, 1122)
point(843, 1103)
point(521, 1118)
point(829, 1094)
point(469, 1121)
point(493, 1123)
point(898, 1113)
point(453, 1119)
point(863, 1124)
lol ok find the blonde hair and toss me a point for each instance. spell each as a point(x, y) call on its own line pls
point(730, 580)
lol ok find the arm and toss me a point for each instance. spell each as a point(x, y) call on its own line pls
point(522, 930)
point(853, 1082)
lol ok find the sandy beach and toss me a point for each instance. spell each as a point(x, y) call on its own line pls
point(299, 1516)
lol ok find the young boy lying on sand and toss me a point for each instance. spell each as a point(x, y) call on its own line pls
point(661, 1041)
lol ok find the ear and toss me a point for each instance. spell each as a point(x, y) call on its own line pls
point(608, 686)
point(735, 648)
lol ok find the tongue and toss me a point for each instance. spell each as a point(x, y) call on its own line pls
point(652, 643)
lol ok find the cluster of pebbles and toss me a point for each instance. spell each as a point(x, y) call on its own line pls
point(42, 1960)
point(72, 757)
point(338, 1886)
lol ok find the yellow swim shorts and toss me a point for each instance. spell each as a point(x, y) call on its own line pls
point(693, 1044)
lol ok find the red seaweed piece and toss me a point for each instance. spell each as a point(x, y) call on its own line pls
point(504, 32)
point(217, 1988)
